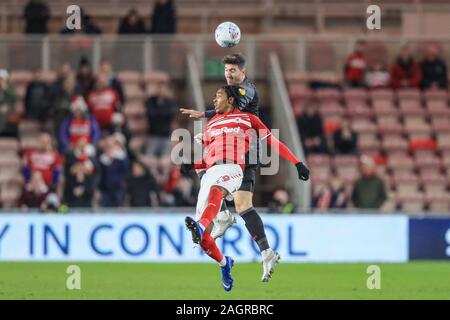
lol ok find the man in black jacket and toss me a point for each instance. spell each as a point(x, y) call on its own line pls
point(434, 70)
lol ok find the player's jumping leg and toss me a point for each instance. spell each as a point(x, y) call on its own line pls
point(215, 198)
point(226, 263)
point(255, 226)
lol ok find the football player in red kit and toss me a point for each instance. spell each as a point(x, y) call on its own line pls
point(227, 139)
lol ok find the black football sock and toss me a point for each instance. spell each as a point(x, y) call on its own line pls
point(255, 227)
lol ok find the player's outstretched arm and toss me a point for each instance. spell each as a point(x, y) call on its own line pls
point(193, 113)
point(282, 150)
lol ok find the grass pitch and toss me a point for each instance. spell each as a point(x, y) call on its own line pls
point(417, 280)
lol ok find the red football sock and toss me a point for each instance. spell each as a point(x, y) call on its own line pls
point(210, 247)
point(215, 198)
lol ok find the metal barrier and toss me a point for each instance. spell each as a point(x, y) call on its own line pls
point(312, 53)
point(284, 118)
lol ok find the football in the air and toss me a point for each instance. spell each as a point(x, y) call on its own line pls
point(227, 34)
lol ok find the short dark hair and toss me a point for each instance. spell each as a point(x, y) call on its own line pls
point(235, 58)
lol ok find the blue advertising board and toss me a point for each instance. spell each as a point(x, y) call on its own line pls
point(163, 238)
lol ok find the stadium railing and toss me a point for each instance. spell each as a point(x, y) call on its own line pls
point(308, 54)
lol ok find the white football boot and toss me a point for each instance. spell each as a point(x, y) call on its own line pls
point(224, 220)
point(270, 260)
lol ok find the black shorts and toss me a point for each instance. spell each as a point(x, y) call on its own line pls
point(248, 181)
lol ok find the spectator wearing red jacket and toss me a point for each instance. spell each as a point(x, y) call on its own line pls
point(43, 159)
point(78, 125)
point(405, 72)
point(356, 66)
point(104, 103)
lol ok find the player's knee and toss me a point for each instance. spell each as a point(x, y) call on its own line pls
point(217, 191)
point(243, 202)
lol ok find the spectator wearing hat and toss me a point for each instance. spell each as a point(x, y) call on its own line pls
point(9, 118)
point(79, 124)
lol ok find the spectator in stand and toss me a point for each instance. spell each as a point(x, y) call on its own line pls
point(36, 15)
point(369, 191)
point(143, 188)
point(104, 104)
point(405, 72)
point(280, 202)
point(80, 178)
point(132, 23)
point(64, 70)
point(78, 125)
point(356, 66)
point(61, 101)
point(45, 160)
point(161, 113)
point(85, 78)
point(332, 196)
point(434, 69)
point(378, 77)
point(87, 26)
point(9, 117)
point(114, 82)
point(310, 125)
point(345, 138)
point(113, 171)
point(34, 192)
point(185, 193)
point(164, 17)
point(37, 98)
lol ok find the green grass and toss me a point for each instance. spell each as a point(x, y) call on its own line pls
point(418, 280)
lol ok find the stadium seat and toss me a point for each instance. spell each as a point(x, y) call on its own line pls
point(416, 124)
point(427, 161)
point(19, 77)
point(408, 94)
point(437, 108)
point(440, 124)
point(129, 77)
point(435, 95)
point(411, 108)
point(389, 125)
point(394, 142)
point(398, 160)
point(368, 142)
point(364, 125)
point(443, 140)
point(156, 77)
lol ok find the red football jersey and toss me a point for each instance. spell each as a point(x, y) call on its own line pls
point(227, 138)
point(43, 161)
point(102, 104)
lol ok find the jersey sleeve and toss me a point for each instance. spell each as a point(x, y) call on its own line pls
point(210, 113)
point(265, 134)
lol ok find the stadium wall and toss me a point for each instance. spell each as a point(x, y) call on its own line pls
point(163, 238)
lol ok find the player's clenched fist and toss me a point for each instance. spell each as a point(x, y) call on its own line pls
point(303, 171)
point(193, 113)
